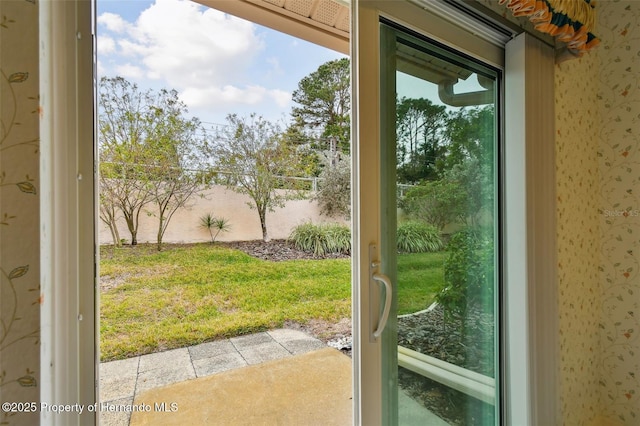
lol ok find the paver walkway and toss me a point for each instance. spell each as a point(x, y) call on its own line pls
point(121, 381)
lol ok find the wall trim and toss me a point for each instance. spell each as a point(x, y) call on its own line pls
point(531, 323)
point(67, 218)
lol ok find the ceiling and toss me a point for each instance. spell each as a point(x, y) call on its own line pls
point(323, 22)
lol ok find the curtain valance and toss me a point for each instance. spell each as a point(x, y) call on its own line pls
point(569, 21)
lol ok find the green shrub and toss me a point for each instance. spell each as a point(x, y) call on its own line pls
point(321, 239)
point(468, 274)
point(217, 224)
point(417, 237)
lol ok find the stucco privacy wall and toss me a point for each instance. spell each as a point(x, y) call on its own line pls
point(19, 209)
point(223, 203)
point(618, 99)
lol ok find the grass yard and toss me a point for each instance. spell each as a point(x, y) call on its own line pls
point(185, 295)
point(420, 275)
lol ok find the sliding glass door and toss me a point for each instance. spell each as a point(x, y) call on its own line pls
point(429, 194)
point(439, 237)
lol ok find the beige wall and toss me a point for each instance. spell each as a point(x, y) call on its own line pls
point(19, 209)
point(598, 154)
point(220, 202)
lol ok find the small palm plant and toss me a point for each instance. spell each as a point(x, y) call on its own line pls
point(214, 224)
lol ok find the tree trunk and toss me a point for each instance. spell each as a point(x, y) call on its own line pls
point(114, 234)
point(160, 233)
point(263, 225)
point(132, 230)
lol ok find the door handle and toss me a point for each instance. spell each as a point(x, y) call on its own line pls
point(387, 303)
point(381, 278)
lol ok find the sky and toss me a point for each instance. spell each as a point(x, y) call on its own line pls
point(219, 64)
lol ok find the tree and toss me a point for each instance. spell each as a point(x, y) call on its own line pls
point(334, 194)
point(177, 151)
point(437, 203)
point(108, 210)
point(470, 134)
point(324, 103)
point(420, 138)
point(250, 150)
point(149, 152)
point(477, 184)
point(121, 136)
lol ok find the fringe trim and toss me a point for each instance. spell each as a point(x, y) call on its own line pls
point(570, 21)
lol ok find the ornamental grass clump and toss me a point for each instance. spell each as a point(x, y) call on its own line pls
point(418, 237)
point(321, 239)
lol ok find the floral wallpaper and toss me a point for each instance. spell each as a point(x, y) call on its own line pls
point(598, 166)
point(619, 156)
point(577, 180)
point(598, 147)
point(19, 209)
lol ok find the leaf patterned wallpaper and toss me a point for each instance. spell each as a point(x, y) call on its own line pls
point(577, 177)
point(598, 174)
point(19, 209)
point(619, 161)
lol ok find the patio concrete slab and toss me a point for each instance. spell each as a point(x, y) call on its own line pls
point(218, 364)
point(121, 381)
point(244, 342)
point(164, 376)
point(175, 358)
point(308, 389)
point(211, 349)
point(257, 354)
point(118, 379)
point(295, 341)
point(116, 418)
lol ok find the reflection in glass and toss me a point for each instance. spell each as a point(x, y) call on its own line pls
point(441, 132)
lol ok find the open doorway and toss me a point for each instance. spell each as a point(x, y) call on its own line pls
point(208, 285)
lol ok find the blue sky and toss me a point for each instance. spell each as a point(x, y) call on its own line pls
point(218, 63)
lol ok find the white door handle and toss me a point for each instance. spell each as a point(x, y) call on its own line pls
point(387, 303)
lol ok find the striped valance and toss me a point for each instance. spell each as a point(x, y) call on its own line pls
point(569, 21)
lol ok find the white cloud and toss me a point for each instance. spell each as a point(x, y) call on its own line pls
point(203, 53)
point(100, 70)
point(106, 45)
point(130, 71)
point(113, 22)
point(221, 96)
point(282, 98)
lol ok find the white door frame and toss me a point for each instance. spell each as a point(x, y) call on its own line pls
point(68, 329)
point(529, 353)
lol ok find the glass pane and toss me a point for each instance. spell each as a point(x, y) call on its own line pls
point(440, 207)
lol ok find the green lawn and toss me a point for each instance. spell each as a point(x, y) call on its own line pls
point(186, 295)
point(420, 275)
